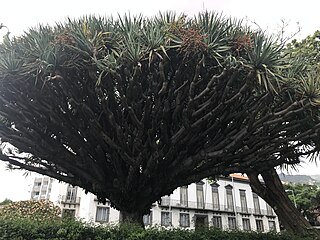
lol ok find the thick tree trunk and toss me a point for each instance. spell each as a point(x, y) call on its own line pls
point(132, 217)
point(274, 194)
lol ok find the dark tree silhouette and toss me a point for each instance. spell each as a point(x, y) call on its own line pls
point(131, 109)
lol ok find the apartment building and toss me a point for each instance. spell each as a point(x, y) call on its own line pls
point(227, 203)
point(41, 188)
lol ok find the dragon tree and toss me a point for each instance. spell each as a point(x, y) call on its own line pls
point(131, 108)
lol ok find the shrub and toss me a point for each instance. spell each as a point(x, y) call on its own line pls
point(69, 229)
point(36, 210)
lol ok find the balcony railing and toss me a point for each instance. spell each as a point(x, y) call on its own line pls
point(270, 213)
point(254, 211)
point(213, 207)
point(36, 188)
point(195, 205)
point(70, 200)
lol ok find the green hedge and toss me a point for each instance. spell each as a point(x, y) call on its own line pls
point(18, 229)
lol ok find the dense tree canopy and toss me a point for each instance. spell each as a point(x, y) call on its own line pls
point(131, 108)
point(307, 199)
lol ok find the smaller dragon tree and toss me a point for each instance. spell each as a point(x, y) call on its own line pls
point(132, 108)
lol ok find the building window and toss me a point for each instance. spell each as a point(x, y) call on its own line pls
point(256, 203)
point(232, 223)
point(184, 196)
point(184, 220)
point(272, 226)
point(243, 201)
point(217, 222)
point(269, 210)
point(147, 219)
point(71, 193)
point(102, 214)
point(165, 219)
point(246, 224)
point(259, 224)
point(200, 221)
point(68, 213)
point(215, 197)
point(200, 199)
point(230, 206)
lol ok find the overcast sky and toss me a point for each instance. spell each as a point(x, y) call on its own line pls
point(19, 15)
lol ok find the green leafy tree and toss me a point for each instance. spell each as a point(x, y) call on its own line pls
point(306, 197)
point(6, 202)
point(132, 108)
point(307, 50)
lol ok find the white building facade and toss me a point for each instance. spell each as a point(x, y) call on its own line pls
point(227, 203)
point(41, 188)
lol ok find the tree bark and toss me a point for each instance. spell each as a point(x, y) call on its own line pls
point(132, 218)
point(273, 193)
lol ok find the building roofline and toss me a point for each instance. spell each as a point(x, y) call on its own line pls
point(236, 177)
